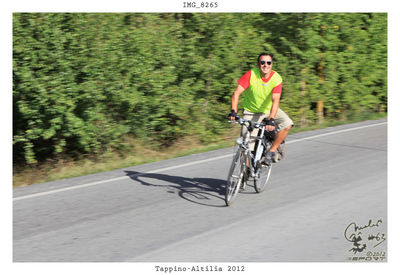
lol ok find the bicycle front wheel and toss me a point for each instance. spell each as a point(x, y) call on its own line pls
point(261, 180)
point(235, 176)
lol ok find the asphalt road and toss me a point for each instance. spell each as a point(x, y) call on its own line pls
point(327, 201)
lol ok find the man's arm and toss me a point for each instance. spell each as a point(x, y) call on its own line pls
point(235, 98)
point(275, 105)
point(274, 109)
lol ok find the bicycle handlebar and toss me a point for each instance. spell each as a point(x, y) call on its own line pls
point(251, 123)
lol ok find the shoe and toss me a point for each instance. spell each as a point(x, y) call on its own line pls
point(269, 158)
point(245, 178)
point(246, 174)
point(281, 151)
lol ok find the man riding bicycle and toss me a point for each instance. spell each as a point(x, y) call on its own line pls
point(262, 88)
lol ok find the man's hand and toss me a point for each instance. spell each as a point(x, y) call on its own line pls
point(232, 115)
point(270, 124)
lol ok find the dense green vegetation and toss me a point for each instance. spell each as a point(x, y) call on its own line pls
point(85, 83)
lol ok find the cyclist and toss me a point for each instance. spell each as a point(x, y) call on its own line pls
point(262, 88)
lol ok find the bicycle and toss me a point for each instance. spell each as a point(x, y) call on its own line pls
point(239, 172)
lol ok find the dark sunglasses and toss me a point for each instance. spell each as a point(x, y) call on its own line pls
point(262, 62)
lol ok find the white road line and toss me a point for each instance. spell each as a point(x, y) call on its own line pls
point(181, 165)
point(335, 132)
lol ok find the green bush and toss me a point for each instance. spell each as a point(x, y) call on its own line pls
point(82, 83)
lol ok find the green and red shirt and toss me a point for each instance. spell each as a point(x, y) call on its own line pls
point(258, 91)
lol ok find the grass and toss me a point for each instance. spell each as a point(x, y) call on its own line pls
point(140, 154)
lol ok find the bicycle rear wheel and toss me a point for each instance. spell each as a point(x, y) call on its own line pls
point(261, 180)
point(235, 177)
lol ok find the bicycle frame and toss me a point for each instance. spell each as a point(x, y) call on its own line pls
point(253, 159)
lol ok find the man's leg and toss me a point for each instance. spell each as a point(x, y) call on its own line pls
point(279, 138)
point(283, 124)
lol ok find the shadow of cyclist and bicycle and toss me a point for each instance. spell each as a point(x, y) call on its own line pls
point(203, 191)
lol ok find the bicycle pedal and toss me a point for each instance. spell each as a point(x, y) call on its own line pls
point(265, 165)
